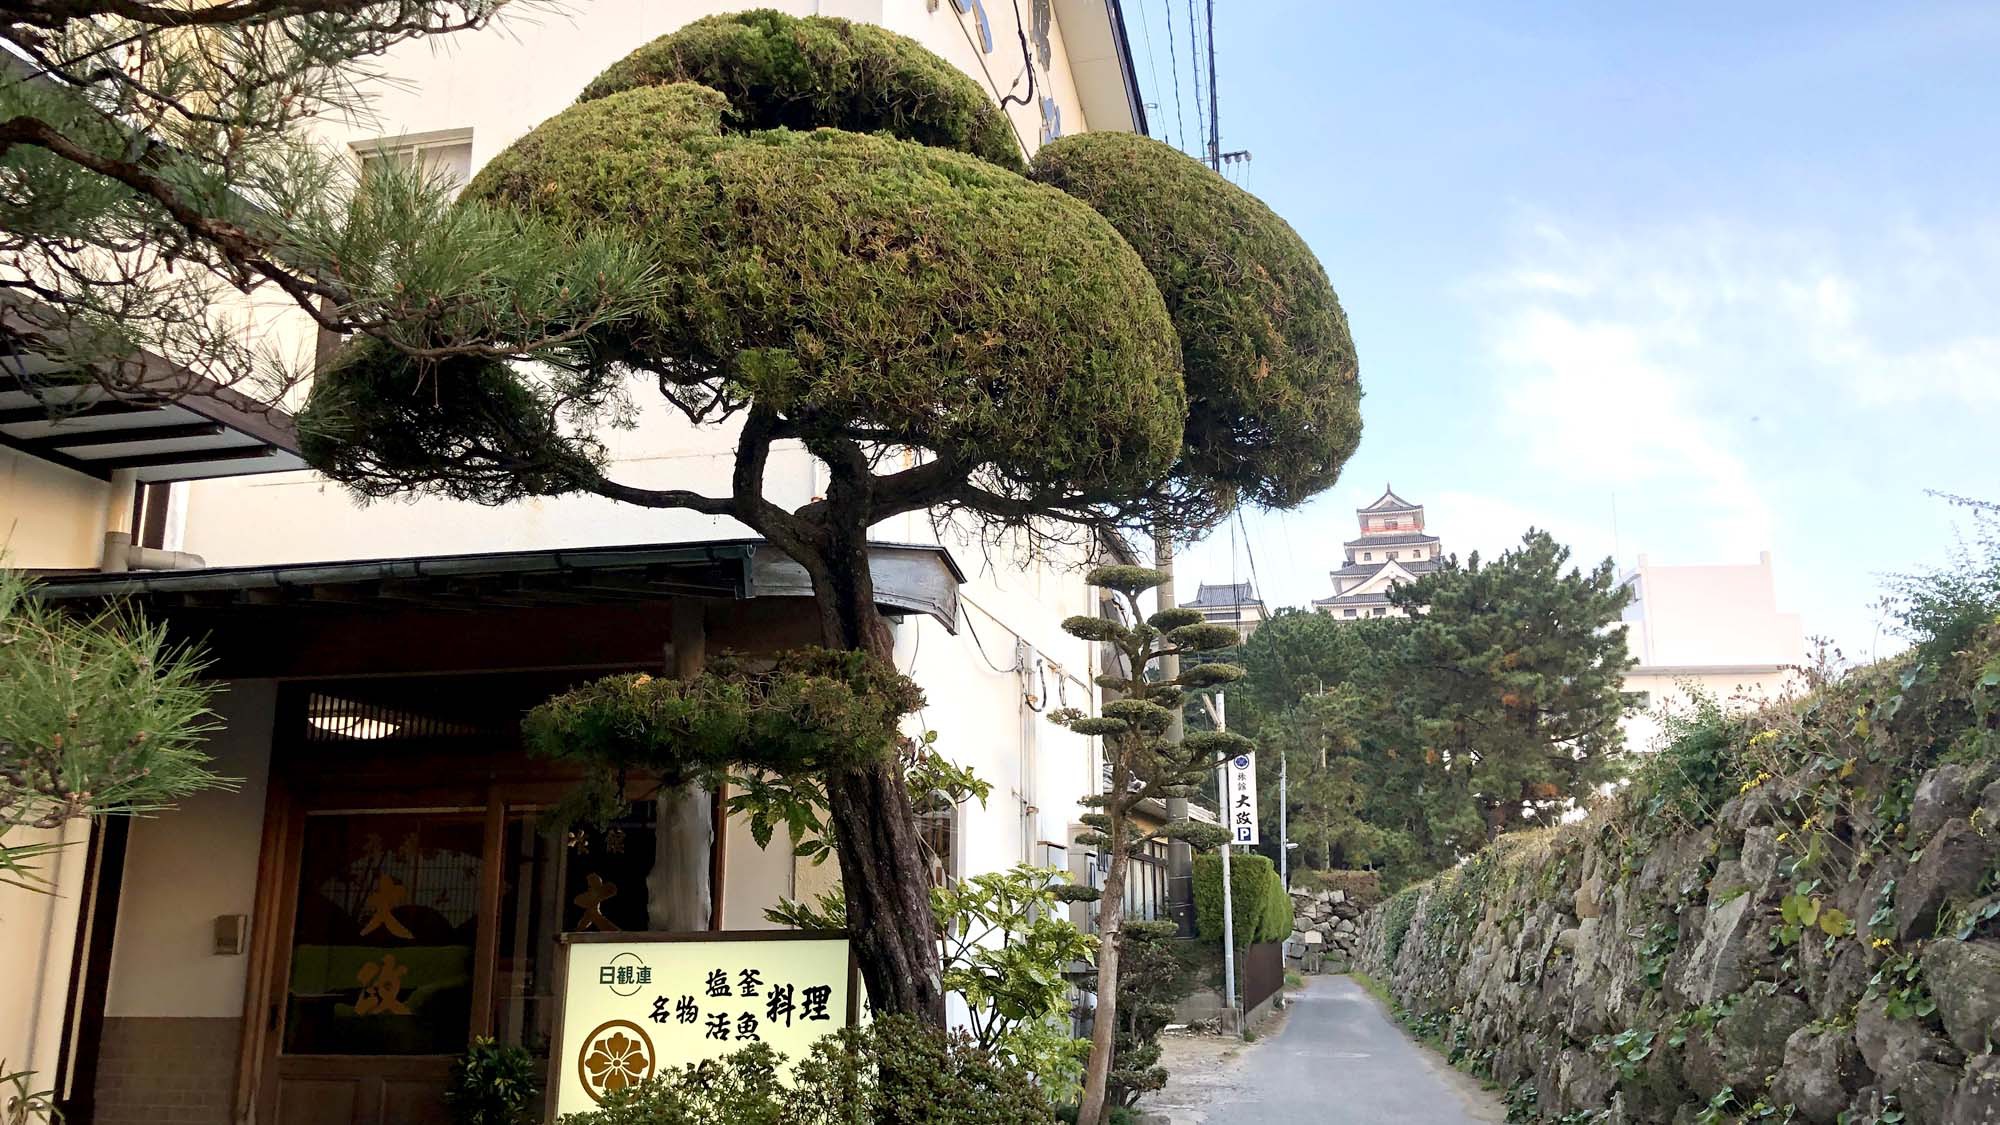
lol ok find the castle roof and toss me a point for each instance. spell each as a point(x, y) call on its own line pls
point(1227, 594)
point(1364, 569)
point(1390, 502)
point(1390, 539)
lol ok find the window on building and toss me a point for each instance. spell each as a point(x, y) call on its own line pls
point(937, 826)
point(1367, 556)
point(1392, 524)
point(1417, 554)
point(1637, 700)
point(1378, 611)
point(1395, 554)
point(445, 154)
point(1350, 613)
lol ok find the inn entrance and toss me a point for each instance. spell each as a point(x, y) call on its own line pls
point(423, 886)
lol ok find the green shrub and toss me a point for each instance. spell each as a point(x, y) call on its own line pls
point(1396, 920)
point(781, 71)
point(493, 1084)
point(1252, 884)
point(892, 1072)
point(1262, 334)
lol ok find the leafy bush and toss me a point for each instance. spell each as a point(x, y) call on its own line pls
point(1942, 610)
point(1698, 767)
point(1252, 884)
point(893, 1072)
point(782, 71)
point(1152, 974)
point(1396, 920)
point(493, 1084)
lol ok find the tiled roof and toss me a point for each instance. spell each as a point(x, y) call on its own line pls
point(1391, 539)
point(1228, 594)
point(1353, 600)
point(1360, 569)
point(1390, 502)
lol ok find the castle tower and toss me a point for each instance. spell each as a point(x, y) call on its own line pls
point(1393, 547)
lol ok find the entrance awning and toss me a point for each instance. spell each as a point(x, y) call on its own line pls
point(908, 579)
point(164, 423)
point(591, 606)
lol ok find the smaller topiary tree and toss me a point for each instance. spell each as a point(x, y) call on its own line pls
point(1143, 762)
point(99, 716)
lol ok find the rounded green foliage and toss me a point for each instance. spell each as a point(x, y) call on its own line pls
point(1272, 385)
point(1168, 619)
point(1104, 727)
point(782, 71)
point(1210, 675)
point(814, 709)
point(1125, 579)
point(1139, 713)
point(853, 282)
point(467, 428)
point(1218, 743)
point(1087, 628)
point(1205, 637)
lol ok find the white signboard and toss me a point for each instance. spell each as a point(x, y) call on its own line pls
point(1239, 776)
point(634, 1005)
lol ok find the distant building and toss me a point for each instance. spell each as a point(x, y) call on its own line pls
point(1708, 629)
point(1233, 604)
point(1393, 547)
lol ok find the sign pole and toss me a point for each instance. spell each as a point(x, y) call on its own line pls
point(1220, 713)
point(1284, 841)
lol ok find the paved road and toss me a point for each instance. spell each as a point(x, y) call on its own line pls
point(1340, 1060)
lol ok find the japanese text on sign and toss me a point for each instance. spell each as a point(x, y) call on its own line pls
point(635, 1007)
point(1240, 798)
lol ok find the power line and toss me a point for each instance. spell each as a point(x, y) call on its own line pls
point(1174, 67)
point(1194, 61)
point(1152, 57)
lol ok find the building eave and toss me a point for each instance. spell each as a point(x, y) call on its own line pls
point(1100, 63)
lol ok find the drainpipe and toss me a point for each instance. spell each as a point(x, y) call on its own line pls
point(120, 556)
point(119, 553)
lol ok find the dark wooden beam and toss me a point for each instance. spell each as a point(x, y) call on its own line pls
point(185, 457)
point(17, 415)
point(61, 441)
point(54, 457)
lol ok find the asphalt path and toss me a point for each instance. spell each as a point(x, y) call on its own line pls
point(1340, 1059)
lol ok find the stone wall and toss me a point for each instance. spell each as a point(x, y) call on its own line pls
point(1326, 931)
point(1790, 916)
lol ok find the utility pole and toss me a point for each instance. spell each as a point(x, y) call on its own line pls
point(1218, 713)
point(1180, 858)
point(1284, 841)
point(1214, 115)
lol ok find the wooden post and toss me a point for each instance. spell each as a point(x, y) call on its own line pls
point(684, 890)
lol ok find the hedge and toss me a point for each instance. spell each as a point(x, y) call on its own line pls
point(1262, 909)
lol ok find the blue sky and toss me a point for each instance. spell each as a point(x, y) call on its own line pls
point(1694, 280)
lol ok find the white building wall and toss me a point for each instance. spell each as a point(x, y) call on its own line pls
point(1712, 631)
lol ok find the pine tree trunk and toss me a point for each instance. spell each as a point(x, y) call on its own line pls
point(882, 868)
point(1104, 1025)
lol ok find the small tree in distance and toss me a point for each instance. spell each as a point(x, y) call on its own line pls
point(1142, 763)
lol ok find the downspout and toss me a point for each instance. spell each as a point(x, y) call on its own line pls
point(119, 553)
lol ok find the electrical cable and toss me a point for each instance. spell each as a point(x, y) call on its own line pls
point(981, 645)
point(1174, 67)
point(1152, 57)
point(1194, 56)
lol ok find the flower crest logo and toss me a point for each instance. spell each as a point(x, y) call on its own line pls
point(616, 1055)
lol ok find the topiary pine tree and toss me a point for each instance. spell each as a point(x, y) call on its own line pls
point(1143, 762)
point(1514, 675)
point(887, 286)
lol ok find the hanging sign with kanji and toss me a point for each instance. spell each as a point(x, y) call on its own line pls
point(1240, 798)
point(635, 1005)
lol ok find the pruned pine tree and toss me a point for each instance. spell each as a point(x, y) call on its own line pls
point(1130, 340)
point(99, 716)
point(1514, 674)
point(1142, 763)
point(158, 169)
